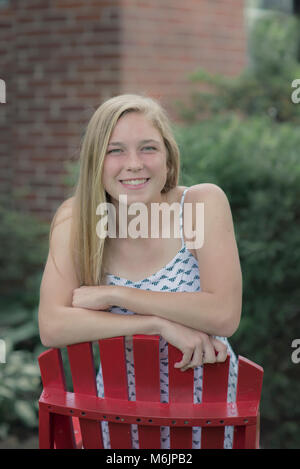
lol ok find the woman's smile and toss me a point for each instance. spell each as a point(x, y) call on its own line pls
point(133, 184)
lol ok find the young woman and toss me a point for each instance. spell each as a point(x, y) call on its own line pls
point(101, 283)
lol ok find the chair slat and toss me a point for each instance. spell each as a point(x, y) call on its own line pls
point(84, 382)
point(181, 389)
point(58, 428)
point(57, 406)
point(249, 385)
point(113, 363)
point(215, 387)
point(83, 368)
point(52, 370)
point(147, 383)
point(46, 436)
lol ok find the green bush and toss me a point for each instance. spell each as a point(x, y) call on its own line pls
point(264, 87)
point(23, 249)
point(243, 135)
point(256, 162)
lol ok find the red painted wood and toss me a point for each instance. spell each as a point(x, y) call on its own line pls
point(249, 385)
point(215, 386)
point(83, 368)
point(46, 437)
point(147, 383)
point(52, 371)
point(77, 433)
point(112, 356)
point(56, 404)
point(181, 390)
point(60, 427)
point(84, 382)
point(161, 414)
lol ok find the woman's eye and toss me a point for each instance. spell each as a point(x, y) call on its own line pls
point(149, 148)
point(119, 150)
point(115, 150)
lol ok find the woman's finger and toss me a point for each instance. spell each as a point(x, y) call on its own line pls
point(186, 358)
point(221, 349)
point(209, 354)
point(197, 359)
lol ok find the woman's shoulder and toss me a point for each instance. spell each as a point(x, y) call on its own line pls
point(63, 215)
point(68, 203)
point(202, 190)
point(65, 207)
point(199, 190)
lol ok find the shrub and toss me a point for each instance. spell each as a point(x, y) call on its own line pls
point(23, 241)
point(256, 162)
point(264, 87)
point(243, 136)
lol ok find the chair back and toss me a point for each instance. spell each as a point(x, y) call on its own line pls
point(71, 419)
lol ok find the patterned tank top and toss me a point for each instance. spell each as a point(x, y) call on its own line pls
point(181, 274)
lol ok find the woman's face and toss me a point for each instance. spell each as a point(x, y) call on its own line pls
point(135, 151)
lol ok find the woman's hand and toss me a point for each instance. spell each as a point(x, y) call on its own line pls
point(99, 297)
point(197, 347)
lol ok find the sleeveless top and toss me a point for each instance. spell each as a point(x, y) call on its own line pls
point(181, 274)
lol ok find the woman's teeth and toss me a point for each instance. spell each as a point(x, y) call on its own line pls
point(134, 182)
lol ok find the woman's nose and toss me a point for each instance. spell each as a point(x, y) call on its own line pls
point(134, 161)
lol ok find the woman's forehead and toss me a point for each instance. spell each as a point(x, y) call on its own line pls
point(135, 125)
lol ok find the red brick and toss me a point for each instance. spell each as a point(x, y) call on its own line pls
point(63, 57)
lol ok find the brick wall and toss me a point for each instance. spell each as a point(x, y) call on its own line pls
point(162, 44)
point(6, 127)
point(61, 58)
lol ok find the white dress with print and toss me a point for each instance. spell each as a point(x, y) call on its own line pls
point(181, 274)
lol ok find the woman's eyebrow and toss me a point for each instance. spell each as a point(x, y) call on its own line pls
point(151, 140)
point(115, 143)
point(141, 142)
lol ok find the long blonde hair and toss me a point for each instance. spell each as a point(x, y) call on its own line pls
point(87, 248)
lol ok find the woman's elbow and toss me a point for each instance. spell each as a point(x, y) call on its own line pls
point(48, 335)
point(229, 324)
point(47, 339)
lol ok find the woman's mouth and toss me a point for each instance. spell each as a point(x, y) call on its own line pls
point(137, 183)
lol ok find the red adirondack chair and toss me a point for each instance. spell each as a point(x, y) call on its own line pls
point(72, 419)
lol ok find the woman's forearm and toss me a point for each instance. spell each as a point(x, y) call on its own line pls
point(69, 325)
point(199, 310)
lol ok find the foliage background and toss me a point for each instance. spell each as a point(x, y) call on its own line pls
point(243, 136)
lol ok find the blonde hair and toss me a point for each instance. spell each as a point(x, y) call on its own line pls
point(87, 248)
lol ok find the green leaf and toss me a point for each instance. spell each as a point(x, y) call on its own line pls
point(25, 411)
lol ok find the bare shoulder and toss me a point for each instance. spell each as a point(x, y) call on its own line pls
point(63, 214)
point(212, 196)
point(65, 207)
point(198, 191)
point(60, 230)
point(207, 190)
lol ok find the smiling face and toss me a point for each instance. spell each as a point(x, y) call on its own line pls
point(136, 150)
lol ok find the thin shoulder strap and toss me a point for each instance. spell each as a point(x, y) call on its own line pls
point(181, 216)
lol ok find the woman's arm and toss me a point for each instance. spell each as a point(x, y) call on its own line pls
point(216, 309)
point(199, 310)
point(74, 325)
point(60, 324)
